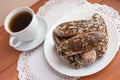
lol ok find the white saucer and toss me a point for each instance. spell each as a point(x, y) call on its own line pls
point(25, 46)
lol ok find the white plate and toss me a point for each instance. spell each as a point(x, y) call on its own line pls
point(39, 39)
point(98, 65)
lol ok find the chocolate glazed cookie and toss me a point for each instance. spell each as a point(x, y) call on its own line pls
point(80, 42)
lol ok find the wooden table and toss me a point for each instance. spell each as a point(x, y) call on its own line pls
point(9, 56)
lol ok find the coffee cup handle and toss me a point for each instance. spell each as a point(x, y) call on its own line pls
point(14, 42)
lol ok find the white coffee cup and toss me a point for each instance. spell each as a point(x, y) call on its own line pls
point(29, 33)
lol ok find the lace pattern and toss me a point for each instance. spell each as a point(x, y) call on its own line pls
point(23, 63)
point(49, 5)
point(51, 11)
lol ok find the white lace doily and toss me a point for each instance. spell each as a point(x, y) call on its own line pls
point(32, 64)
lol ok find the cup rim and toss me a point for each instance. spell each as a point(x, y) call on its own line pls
point(13, 12)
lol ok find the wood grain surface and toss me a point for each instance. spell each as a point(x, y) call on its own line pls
point(9, 56)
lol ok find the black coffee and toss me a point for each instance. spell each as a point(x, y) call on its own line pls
point(20, 21)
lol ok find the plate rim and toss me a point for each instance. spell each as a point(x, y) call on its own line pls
point(117, 46)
